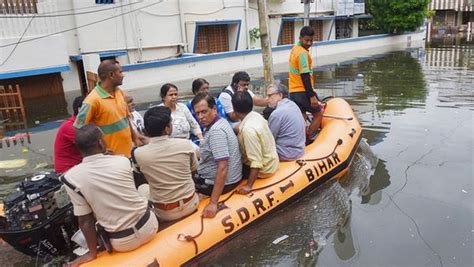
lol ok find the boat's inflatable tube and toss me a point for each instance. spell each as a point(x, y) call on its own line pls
point(187, 240)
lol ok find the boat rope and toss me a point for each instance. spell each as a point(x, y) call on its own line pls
point(221, 204)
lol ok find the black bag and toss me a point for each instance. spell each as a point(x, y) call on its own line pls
point(138, 176)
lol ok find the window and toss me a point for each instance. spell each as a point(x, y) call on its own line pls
point(212, 39)
point(104, 1)
point(317, 26)
point(287, 33)
point(343, 29)
point(18, 7)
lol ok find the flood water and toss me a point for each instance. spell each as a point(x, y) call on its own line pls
point(408, 197)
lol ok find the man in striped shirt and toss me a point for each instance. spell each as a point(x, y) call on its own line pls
point(220, 167)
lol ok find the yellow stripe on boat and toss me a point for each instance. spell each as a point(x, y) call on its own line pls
point(187, 240)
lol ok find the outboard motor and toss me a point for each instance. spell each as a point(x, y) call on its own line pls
point(38, 219)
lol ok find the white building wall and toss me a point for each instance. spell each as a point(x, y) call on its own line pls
point(157, 32)
point(24, 53)
point(282, 7)
point(43, 53)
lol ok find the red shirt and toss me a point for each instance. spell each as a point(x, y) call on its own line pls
point(66, 155)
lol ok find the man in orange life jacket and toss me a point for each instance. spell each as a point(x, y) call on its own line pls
point(301, 80)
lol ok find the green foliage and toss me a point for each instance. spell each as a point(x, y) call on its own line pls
point(398, 16)
point(254, 34)
point(430, 13)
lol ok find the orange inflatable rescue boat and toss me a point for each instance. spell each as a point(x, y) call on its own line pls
point(184, 242)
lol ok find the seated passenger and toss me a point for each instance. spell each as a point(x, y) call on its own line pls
point(220, 167)
point(200, 85)
point(257, 145)
point(240, 82)
point(135, 118)
point(102, 190)
point(66, 154)
point(167, 164)
point(182, 120)
point(286, 123)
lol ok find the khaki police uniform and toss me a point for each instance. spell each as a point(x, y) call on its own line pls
point(108, 191)
point(167, 164)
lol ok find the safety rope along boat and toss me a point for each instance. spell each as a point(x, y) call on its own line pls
point(186, 241)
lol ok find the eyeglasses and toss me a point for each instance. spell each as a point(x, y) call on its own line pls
point(270, 95)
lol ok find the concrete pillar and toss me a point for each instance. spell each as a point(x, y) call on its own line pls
point(355, 28)
point(459, 18)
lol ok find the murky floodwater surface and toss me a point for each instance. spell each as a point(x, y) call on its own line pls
point(408, 197)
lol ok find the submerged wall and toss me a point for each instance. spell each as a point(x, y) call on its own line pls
point(218, 68)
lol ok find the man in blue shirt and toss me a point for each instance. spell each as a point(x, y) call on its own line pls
point(286, 124)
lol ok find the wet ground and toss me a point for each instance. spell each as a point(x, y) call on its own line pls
point(408, 198)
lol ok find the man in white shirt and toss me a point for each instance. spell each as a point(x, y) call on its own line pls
point(240, 82)
point(135, 117)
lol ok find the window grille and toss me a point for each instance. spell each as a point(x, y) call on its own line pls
point(287, 34)
point(212, 39)
point(18, 7)
point(317, 26)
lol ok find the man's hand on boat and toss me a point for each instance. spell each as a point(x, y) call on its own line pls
point(210, 210)
point(244, 190)
point(252, 176)
point(80, 260)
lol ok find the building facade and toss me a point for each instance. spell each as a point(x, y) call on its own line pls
point(54, 46)
point(452, 16)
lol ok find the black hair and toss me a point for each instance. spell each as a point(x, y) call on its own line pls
point(76, 104)
point(267, 112)
point(211, 102)
point(242, 102)
point(165, 88)
point(105, 67)
point(307, 31)
point(240, 76)
point(87, 138)
point(197, 84)
point(156, 120)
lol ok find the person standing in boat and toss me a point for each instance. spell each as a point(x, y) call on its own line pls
point(102, 190)
point(66, 154)
point(220, 166)
point(240, 82)
point(105, 107)
point(256, 141)
point(301, 81)
point(167, 164)
point(286, 123)
point(182, 120)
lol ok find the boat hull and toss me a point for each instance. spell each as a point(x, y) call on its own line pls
point(186, 241)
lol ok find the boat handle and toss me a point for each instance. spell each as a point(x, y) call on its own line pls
point(286, 187)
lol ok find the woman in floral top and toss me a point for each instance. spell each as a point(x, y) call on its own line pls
point(182, 120)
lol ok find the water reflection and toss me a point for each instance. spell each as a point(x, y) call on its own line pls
point(320, 219)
